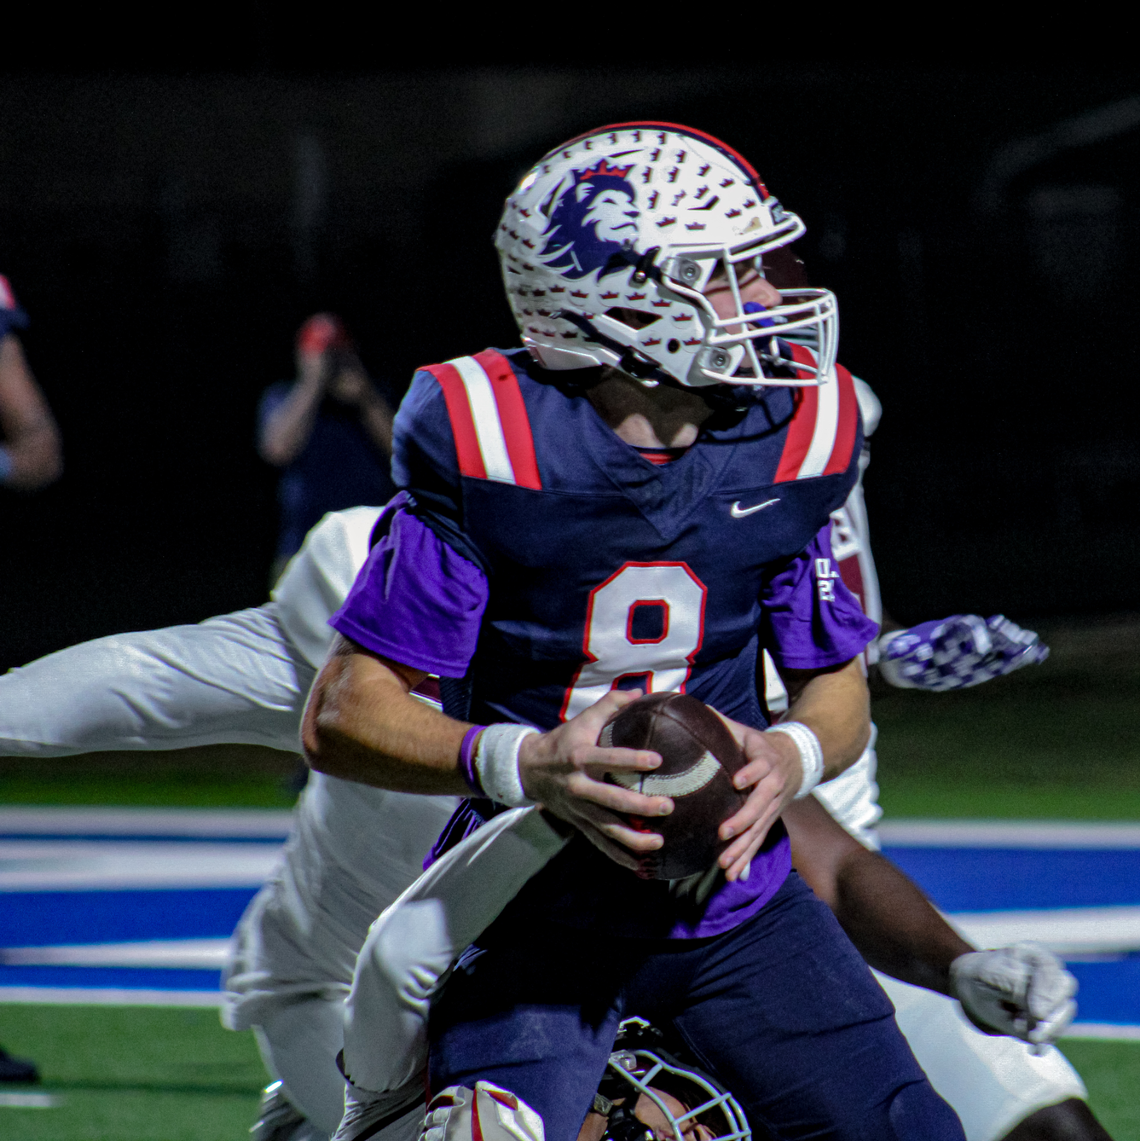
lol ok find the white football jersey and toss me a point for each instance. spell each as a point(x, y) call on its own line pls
point(318, 577)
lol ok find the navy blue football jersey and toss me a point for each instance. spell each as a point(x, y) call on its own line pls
point(604, 568)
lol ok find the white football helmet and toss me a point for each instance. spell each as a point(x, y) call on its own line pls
point(648, 1095)
point(609, 241)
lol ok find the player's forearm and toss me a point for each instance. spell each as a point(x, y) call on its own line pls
point(287, 429)
point(896, 928)
point(28, 432)
point(377, 419)
point(35, 457)
point(835, 705)
point(362, 724)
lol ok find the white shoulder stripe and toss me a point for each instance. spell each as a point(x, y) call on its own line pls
point(485, 416)
point(826, 428)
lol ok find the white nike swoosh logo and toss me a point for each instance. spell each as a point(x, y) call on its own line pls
point(739, 512)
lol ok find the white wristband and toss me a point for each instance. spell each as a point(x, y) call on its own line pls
point(811, 753)
point(497, 763)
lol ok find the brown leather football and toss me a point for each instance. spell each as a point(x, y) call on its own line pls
point(699, 757)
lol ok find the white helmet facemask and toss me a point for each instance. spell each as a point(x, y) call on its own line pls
point(642, 1077)
point(609, 243)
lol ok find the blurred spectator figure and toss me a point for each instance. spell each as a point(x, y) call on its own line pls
point(29, 458)
point(330, 429)
point(30, 455)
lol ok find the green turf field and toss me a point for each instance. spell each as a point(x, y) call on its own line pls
point(147, 1074)
point(132, 1074)
point(1055, 741)
point(1058, 741)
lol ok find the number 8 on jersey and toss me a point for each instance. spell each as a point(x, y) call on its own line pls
point(644, 626)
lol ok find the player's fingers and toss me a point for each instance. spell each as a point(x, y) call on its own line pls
point(591, 720)
point(617, 767)
point(765, 800)
point(641, 840)
point(1046, 1032)
point(615, 851)
point(616, 798)
point(598, 761)
point(737, 857)
point(760, 763)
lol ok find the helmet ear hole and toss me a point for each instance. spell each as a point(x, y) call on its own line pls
point(634, 318)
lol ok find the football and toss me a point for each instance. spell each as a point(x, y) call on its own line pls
point(699, 757)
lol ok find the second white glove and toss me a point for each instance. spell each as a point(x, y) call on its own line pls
point(1023, 991)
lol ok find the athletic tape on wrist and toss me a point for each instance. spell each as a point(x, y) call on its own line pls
point(497, 763)
point(467, 760)
point(810, 750)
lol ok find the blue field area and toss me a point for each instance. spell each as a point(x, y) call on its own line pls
point(110, 978)
point(1015, 879)
point(1110, 991)
point(139, 906)
point(41, 918)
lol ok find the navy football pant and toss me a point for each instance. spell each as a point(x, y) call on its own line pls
point(782, 1010)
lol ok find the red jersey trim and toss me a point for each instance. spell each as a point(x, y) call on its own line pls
point(802, 427)
point(823, 429)
point(462, 423)
point(845, 431)
point(512, 417)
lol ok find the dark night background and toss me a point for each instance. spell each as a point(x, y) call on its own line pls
point(168, 231)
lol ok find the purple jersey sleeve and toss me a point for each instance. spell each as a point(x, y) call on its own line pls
point(811, 620)
point(415, 600)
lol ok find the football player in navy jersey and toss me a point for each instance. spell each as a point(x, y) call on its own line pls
point(543, 563)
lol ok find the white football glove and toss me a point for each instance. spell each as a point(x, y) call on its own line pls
point(1023, 991)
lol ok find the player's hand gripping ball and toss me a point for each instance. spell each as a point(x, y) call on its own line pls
point(699, 757)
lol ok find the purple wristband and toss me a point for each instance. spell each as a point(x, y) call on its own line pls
point(467, 759)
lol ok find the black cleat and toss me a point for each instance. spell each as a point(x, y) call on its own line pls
point(17, 1069)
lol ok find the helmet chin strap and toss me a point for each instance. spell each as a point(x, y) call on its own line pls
point(643, 371)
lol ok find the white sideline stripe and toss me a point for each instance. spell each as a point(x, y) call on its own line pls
point(108, 865)
point(1008, 834)
point(485, 416)
point(235, 823)
point(198, 954)
point(826, 428)
point(105, 996)
point(1065, 931)
point(1119, 1031)
point(29, 1100)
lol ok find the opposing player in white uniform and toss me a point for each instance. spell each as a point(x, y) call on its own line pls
point(244, 677)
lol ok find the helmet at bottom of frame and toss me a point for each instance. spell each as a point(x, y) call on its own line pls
point(648, 1094)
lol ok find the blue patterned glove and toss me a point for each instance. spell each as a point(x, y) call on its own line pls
point(956, 652)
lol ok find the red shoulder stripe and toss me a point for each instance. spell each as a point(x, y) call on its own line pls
point(802, 427)
point(512, 417)
point(462, 424)
point(845, 432)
